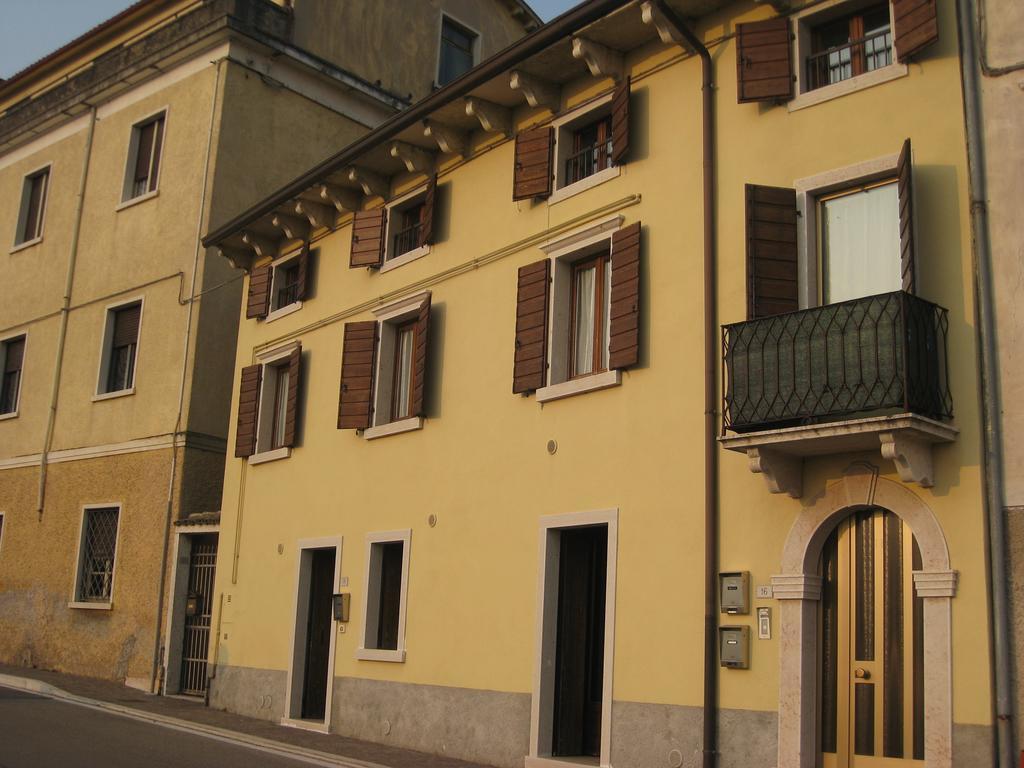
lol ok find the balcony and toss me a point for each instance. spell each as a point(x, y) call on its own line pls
point(851, 376)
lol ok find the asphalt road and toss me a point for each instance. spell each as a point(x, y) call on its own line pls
point(37, 732)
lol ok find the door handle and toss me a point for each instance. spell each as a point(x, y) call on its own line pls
point(861, 674)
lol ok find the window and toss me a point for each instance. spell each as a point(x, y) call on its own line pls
point(848, 46)
point(400, 232)
point(577, 314)
point(33, 207)
point(408, 221)
point(859, 241)
point(117, 367)
point(458, 51)
point(97, 550)
point(591, 150)
point(268, 405)
point(144, 158)
point(279, 288)
point(384, 369)
point(12, 357)
point(387, 582)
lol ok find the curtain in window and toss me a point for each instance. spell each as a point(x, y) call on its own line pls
point(860, 236)
point(583, 332)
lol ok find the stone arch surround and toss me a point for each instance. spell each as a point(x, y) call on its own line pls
point(798, 589)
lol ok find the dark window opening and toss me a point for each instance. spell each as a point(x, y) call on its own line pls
point(591, 150)
point(14, 352)
point(849, 46)
point(457, 45)
point(390, 593)
point(146, 168)
point(34, 207)
point(407, 233)
point(287, 278)
point(123, 346)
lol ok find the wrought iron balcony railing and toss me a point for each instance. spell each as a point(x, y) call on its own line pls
point(842, 62)
point(878, 353)
point(588, 161)
point(406, 240)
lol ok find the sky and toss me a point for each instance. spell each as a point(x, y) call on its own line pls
point(34, 28)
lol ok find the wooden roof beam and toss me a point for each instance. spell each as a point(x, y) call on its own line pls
point(373, 184)
point(448, 139)
point(538, 92)
point(600, 60)
point(416, 160)
point(293, 228)
point(317, 214)
point(341, 198)
point(493, 118)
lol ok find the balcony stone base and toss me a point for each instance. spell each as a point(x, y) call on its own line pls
point(906, 439)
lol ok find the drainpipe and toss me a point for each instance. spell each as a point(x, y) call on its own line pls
point(992, 455)
point(710, 747)
point(156, 681)
point(65, 308)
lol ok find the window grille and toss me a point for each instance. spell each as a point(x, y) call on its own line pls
point(99, 541)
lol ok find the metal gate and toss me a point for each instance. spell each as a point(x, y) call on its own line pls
point(198, 608)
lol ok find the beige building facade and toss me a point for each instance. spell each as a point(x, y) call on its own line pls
point(117, 327)
point(632, 418)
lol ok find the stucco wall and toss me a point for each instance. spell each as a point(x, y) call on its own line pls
point(480, 463)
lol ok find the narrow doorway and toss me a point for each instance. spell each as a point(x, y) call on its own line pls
point(872, 645)
point(202, 567)
point(318, 635)
point(579, 643)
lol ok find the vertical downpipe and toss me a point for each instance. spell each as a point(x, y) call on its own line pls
point(65, 308)
point(158, 649)
point(992, 453)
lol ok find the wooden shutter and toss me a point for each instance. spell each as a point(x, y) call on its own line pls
point(531, 359)
point(620, 123)
point(294, 385)
point(419, 360)
point(36, 204)
point(144, 151)
point(772, 280)
point(533, 172)
point(369, 231)
point(624, 336)
point(14, 353)
point(427, 213)
point(355, 402)
point(764, 61)
point(303, 276)
point(916, 26)
point(126, 326)
point(905, 172)
point(259, 292)
point(248, 406)
point(158, 142)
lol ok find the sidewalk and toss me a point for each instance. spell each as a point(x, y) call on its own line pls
point(192, 716)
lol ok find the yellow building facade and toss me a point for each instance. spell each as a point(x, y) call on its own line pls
point(116, 153)
point(466, 511)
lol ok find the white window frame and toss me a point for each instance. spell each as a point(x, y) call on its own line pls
point(74, 602)
point(300, 614)
point(265, 411)
point(808, 191)
point(564, 127)
point(23, 209)
point(803, 21)
point(287, 309)
point(389, 317)
point(21, 379)
point(440, 32)
point(105, 350)
point(372, 595)
point(546, 634)
point(400, 203)
point(564, 251)
point(131, 154)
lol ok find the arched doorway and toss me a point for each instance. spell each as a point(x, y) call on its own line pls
point(799, 589)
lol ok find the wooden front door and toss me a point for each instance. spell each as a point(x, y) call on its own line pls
point(579, 655)
point(871, 630)
point(318, 635)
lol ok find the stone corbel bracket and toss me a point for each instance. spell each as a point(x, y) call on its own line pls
point(449, 140)
point(317, 214)
point(373, 184)
point(263, 246)
point(783, 473)
point(293, 228)
point(601, 60)
point(413, 158)
point(651, 14)
point(493, 118)
point(538, 93)
point(239, 258)
point(912, 457)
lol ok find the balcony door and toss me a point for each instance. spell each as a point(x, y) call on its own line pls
point(871, 653)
